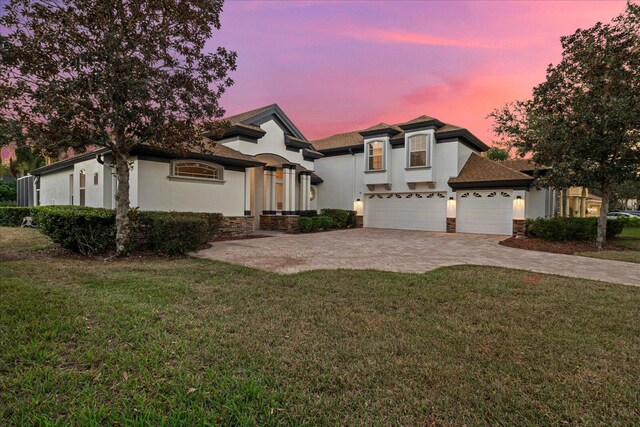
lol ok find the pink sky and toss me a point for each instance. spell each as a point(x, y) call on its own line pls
point(340, 66)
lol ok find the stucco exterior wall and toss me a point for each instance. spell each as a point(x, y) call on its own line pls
point(344, 175)
point(94, 194)
point(271, 143)
point(158, 192)
point(536, 203)
point(54, 188)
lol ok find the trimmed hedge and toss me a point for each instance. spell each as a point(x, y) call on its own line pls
point(570, 228)
point(308, 213)
point(342, 218)
point(12, 216)
point(78, 228)
point(314, 223)
point(93, 230)
point(172, 232)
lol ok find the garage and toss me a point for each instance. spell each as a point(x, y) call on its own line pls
point(485, 212)
point(407, 211)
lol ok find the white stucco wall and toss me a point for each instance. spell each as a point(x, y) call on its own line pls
point(94, 194)
point(271, 143)
point(536, 203)
point(54, 187)
point(344, 177)
point(158, 192)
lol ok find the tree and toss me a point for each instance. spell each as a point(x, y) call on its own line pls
point(25, 161)
point(584, 120)
point(497, 153)
point(114, 74)
point(622, 193)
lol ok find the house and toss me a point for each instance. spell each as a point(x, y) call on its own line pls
point(422, 174)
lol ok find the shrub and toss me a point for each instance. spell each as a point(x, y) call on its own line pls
point(305, 224)
point(351, 219)
point(340, 216)
point(8, 192)
point(78, 228)
point(172, 232)
point(324, 222)
point(629, 222)
point(12, 216)
point(308, 213)
point(570, 228)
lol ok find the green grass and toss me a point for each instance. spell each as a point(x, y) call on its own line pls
point(629, 238)
point(185, 341)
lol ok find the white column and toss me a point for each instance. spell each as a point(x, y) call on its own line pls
point(292, 189)
point(303, 189)
point(286, 190)
point(272, 193)
point(267, 189)
point(247, 191)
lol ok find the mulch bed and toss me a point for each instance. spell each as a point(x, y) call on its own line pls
point(569, 248)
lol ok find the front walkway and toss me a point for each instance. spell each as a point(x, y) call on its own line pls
point(407, 251)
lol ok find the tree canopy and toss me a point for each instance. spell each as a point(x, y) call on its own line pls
point(584, 120)
point(497, 153)
point(115, 74)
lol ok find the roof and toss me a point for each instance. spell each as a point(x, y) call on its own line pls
point(522, 165)
point(241, 117)
point(482, 172)
point(594, 198)
point(354, 139)
point(251, 120)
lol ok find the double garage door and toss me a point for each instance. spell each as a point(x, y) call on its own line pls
point(484, 212)
point(408, 211)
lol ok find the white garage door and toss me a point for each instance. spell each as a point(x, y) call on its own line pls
point(485, 212)
point(408, 211)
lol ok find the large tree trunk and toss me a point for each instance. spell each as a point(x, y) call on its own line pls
point(122, 203)
point(602, 219)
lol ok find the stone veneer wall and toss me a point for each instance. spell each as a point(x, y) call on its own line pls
point(236, 226)
point(519, 227)
point(288, 223)
point(359, 221)
point(451, 225)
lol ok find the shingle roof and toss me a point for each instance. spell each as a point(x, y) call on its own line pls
point(241, 117)
point(479, 169)
point(522, 165)
point(349, 139)
point(221, 150)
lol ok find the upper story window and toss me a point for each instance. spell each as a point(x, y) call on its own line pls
point(418, 150)
point(196, 169)
point(375, 155)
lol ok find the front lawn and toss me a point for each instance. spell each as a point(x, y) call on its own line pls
point(630, 239)
point(183, 341)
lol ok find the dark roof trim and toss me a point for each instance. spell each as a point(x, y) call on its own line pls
point(68, 163)
point(339, 151)
point(315, 179)
point(464, 135)
point(146, 150)
point(276, 111)
point(311, 154)
point(295, 142)
point(516, 184)
point(427, 124)
point(246, 131)
point(378, 132)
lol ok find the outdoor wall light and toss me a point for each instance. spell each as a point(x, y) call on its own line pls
point(451, 208)
point(518, 208)
point(357, 206)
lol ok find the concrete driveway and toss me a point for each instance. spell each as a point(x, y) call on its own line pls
point(406, 251)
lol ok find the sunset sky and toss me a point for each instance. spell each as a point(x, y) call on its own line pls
point(340, 66)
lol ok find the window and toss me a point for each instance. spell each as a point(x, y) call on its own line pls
point(375, 155)
point(83, 185)
point(95, 178)
point(418, 151)
point(196, 170)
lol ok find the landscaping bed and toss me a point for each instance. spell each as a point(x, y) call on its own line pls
point(557, 247)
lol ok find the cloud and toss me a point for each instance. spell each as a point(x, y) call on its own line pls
point(406, 37)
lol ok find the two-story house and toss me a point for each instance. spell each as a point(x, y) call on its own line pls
point(419, 175)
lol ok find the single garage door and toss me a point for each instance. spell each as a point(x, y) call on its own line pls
point(408, 211)
point(485, 212)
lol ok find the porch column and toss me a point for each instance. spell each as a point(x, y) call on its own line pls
point(583, 203)
point(273, 194)
point(307, 190)
point(286, 194)
point(270, 190)
point(247, 191)
point(304, 192)
point(292, 189)
point(567, 208)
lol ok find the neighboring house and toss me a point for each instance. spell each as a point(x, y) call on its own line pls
point(419, 175)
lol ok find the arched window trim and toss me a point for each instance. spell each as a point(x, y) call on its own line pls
point(178, 162)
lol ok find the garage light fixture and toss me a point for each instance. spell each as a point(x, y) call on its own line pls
point(518, 208)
